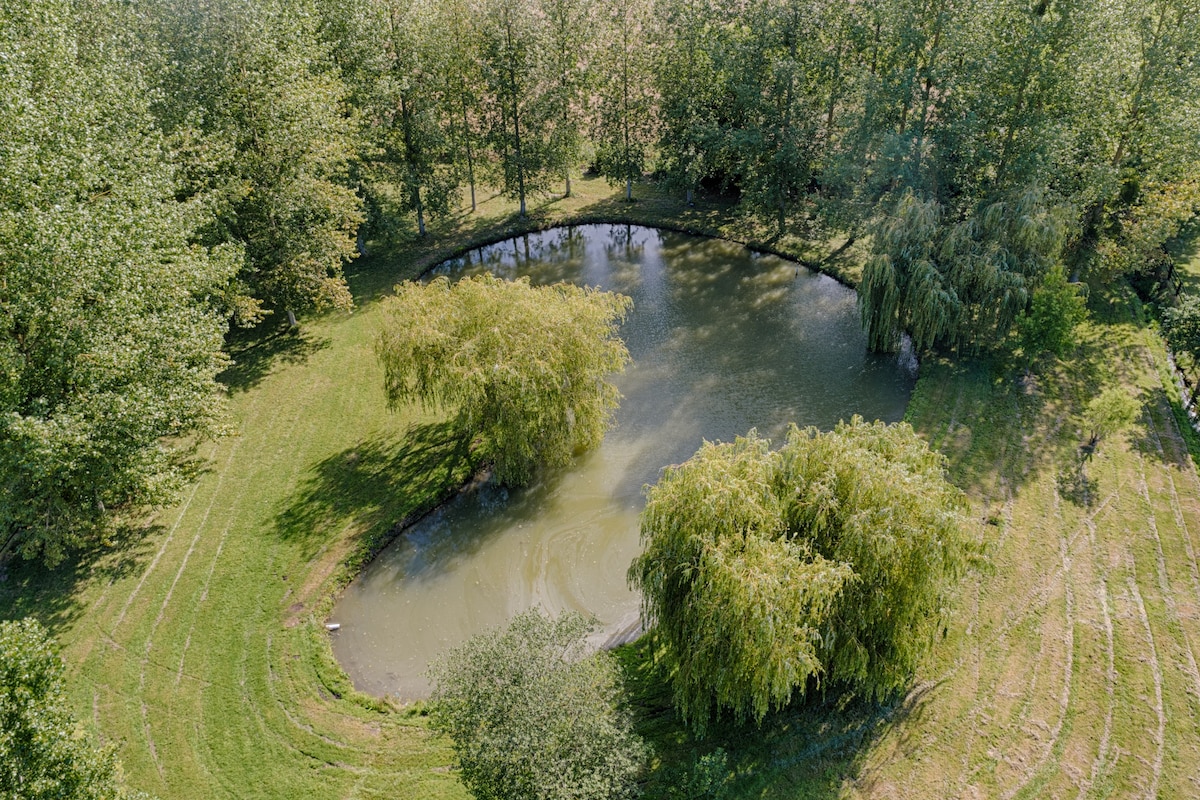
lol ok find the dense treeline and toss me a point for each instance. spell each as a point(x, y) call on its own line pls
point(169, 168)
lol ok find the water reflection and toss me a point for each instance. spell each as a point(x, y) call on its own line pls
point(722, 339)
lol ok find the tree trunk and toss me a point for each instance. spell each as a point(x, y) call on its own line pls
point(291, 316)
point(785, 134)
point(470, 155)
point(6, 548)
point(1135, 103)
point(691, 201)
point(835, 84)
point(625, 108)
point(412, 158)
point(516, 114)
point(1014, 119)
point(420, 212)
point(927, 93)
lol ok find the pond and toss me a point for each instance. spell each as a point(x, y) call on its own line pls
point(723, 339)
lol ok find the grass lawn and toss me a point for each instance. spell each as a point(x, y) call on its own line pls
point(1069, 669)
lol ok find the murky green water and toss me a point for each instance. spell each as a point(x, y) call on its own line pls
point(722, 340)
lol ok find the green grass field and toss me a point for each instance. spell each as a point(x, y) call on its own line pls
point(1069, 669)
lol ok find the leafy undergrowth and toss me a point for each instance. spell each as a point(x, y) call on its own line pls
point(195, 644)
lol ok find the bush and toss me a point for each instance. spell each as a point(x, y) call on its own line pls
point(1056, 309)
point(42, 753)
point(533, 717)
point(1109, 413)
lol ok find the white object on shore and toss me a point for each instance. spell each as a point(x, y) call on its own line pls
point(332, 626)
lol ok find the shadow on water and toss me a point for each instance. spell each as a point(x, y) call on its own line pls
point(257, 352)
point(374, 485)
point(809, 750)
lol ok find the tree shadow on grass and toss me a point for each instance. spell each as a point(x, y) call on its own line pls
point(30, 589)
point(256, 353)
point(1164, 431)
point(1073, 483)
point(375, 486)
point(1185, 249)
point(808, 750)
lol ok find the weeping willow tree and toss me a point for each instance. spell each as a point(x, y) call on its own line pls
point(523, 369)
point(767, 573)
point(958, 284)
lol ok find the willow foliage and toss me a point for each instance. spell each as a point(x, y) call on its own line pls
point(768, 572)
point(958, 283)
point(524, 368)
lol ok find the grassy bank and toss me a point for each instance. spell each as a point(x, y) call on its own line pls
point(1070, 668)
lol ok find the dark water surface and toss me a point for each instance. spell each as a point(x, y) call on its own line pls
point(722, 339)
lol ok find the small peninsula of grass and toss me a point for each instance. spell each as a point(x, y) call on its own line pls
point(195, 643)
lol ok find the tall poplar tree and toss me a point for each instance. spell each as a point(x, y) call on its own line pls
point(627, 113)
point(512, 44)
point(455, 47)
point(1140, 135)
point(782, 106)
point(689, 83)
point(570, 40)
point(255, 101)
point(416, 144)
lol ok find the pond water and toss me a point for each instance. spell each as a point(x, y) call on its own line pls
point(723, 339)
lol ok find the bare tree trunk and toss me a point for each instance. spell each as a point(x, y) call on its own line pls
point(470, 155)
point(516, 112)
point(411, 157)
point(625, 108)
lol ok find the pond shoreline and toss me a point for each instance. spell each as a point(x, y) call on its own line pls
point(803, 380)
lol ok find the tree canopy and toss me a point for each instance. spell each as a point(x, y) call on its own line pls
point(1181, 325)
point(43, 755)
point(254, 105)
point(533, 716)
point(170, 167)
point(523, 369)
point(1109, 413)
point(827, 561)
point(110, 332)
